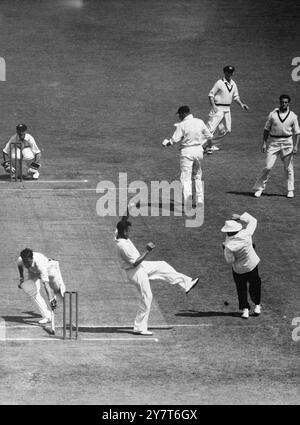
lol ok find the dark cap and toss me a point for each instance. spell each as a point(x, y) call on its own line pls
point(183, 110)
point(228, 68)
point(21, 127)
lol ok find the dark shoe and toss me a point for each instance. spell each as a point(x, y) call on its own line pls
point(194, 283)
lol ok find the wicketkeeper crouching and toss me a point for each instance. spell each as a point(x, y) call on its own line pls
point(31, 155)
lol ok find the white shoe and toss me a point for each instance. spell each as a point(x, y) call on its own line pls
point(215, 148)
point(146, 332)
point(290, 194)
point(44, 321)
point(245, 314)
point(257, 309)
point(258, 193)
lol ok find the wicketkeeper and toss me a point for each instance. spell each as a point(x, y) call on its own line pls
point(31, 154)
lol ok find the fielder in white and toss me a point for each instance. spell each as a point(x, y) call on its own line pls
point(282, 124)
point(141, 273)
point(30, 152)
point(41, 270)
point(192, 135)
point(220, 98)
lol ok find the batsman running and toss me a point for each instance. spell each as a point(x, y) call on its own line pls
point(41, 271)
point(31, 154)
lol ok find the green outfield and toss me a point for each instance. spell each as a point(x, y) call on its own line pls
point(98, 84)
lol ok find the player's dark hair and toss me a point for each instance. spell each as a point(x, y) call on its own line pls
point(123, 225)
point(26, 253)
point(284, 96)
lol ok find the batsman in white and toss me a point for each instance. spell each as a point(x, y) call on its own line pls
point(220, 97)
point(192, 135)
point(30, 152)
point(141, 273)
point(281, 126)
point(41, 270)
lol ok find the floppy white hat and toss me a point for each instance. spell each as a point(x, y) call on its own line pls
point(231, 226)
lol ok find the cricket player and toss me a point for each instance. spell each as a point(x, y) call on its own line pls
point(240, 253)
point(220, 98)
point(141, 273)
point(30, 152)
point(41, 270)
point(192, 135)
point(280, 138)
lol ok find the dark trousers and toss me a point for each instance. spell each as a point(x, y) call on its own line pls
point(241, 281)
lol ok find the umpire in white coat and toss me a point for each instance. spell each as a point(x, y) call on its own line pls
point(240, 253)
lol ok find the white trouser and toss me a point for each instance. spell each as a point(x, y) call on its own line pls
point(190, 166)
point(275, 149)
point(28, 157)
point(150, 271)
point(219, 123)
point(32, 287)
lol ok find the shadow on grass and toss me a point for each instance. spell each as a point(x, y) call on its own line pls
point(251, 194)
point(5, 177)
point(23, 319)
point(192, 313)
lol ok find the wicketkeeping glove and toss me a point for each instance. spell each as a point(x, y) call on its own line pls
point(6, 166)
point(35, 165)
point(53, 303)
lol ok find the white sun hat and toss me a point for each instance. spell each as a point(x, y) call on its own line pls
point(231, 226)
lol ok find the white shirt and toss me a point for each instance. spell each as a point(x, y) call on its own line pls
point(127, 253)
point(238, 248)
point(39, 266)
point(28, 142)
point(190, 132)
point(224, 93)
point(282, 125)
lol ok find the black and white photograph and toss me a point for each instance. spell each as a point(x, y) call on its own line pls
point(149, 185)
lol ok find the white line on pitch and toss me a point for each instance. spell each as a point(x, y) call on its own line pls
point(57, 181)
point(120, 339)
point(81, 339)
point(116, 327)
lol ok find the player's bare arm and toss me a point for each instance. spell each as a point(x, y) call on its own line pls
point(149, 247)
point(264, 143)
point(212, 103)
point(21, 273)
point(50, 294)
point(296, 141)
point(242, 105)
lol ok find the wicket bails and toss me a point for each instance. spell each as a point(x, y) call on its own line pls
point(69, 304)
point(15, 146)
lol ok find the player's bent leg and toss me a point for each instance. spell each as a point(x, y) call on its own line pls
point(32, 288)
point(55, 278)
